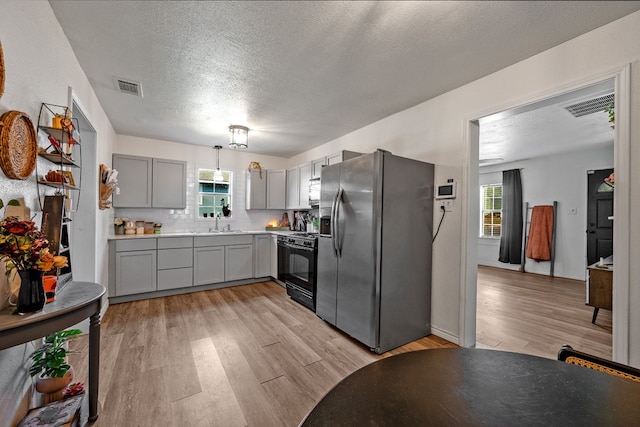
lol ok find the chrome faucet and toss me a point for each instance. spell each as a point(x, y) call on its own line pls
point(217, 216)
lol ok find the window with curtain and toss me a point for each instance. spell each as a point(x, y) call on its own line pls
point(213, 192)
point(491, 210)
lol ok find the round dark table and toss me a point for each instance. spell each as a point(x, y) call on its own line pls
point(471, 387)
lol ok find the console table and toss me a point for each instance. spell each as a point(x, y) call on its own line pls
point(600, 286)
point(74, 303)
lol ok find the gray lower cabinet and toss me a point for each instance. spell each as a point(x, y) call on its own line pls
point(139, 266)
point(208, 265)
point(274, 256)
point(175, 263)
point(238, 262)
point(262, 255)
point(135, 266)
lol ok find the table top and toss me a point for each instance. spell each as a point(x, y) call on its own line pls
point(73, 298)
point(469, 387)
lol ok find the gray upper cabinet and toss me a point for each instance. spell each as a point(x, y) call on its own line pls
point(293, 188)
point(316, 167)
point(150, 183)
point(276, 189)
point(134, 181)
point(266, 192)
point(341, 156)
point(304, 176)
point(298, 187)
point(169, 184)
point(256, 190)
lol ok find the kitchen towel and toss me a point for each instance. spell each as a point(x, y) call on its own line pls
point(540, 233)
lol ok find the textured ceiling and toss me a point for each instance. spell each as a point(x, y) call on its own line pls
point(545, 128)
point(300, 73)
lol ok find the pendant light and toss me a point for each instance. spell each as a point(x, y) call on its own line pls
point(239, 136)
point(217, 175)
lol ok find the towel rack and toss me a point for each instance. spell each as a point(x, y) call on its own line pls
point(525, 237)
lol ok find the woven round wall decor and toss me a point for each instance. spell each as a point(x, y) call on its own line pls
point(1, 71)
point(18, 145)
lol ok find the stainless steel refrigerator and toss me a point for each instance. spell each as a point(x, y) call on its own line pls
point(374, 249)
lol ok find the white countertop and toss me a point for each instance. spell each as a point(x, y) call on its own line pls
point(195, 234)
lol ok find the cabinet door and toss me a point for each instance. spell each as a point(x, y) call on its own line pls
point(256, 189)
point(276, 189)
point(208, 265)
point(274, 256)
point(304, 172)
point(293, 188)
point(238, 262)
point(135, 272)
point(334, 159)
point(134, 181)
point(169, 184)
point(262, 254)
point(316, 167)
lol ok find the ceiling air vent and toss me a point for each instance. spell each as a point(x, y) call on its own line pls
point(128, 86)
point(590, 106)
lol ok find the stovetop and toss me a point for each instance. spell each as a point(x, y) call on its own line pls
point(305, 234)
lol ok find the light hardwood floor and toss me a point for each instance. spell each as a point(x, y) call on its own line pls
point(536, 314)
point(240, 356)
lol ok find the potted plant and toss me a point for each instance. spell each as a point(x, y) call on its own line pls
point(610, 110)
point(49, 363)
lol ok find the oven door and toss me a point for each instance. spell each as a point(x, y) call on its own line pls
point(297, 270)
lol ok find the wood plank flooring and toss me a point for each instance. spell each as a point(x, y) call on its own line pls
point(240, 356)
point(536, 314)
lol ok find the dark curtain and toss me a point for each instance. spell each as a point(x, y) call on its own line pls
point(511, 235)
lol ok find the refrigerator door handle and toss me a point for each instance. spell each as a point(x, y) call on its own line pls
point(333, 224)
point(337, 217)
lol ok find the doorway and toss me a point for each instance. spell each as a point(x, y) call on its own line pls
point(83, 230)
point(621, 154)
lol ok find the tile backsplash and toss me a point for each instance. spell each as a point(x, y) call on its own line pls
point(186, 220)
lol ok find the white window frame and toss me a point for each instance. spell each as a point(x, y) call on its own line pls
point(217, 209)
point(483, 211)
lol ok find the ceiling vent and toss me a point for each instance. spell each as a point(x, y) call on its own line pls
point(128, 86)
point(591, 106)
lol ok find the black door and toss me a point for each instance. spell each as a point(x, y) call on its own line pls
point(599, 209)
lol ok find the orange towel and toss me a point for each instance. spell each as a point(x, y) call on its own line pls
point(540, 233)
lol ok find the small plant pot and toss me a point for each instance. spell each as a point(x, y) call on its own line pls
point(47, 385)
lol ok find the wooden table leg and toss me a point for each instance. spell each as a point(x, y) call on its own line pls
point(94, 365)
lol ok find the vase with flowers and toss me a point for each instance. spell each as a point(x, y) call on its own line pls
point(26, 249)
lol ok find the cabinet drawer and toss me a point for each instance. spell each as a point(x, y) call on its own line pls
point(135, 245)
point(176, 278)
point(175, 258)
point(203, 241)
point(175, 242)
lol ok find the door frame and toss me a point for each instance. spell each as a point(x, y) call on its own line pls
point(621, 240)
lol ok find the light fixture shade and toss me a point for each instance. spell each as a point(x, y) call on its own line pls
point(217, 175)
point(239, 136)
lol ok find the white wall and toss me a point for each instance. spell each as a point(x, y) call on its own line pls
point(435, 131)
point(39, 67)
point(561, 178)
point(174, 220)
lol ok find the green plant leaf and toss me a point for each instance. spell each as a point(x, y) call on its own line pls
point(1, 204)
point(13, 202)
